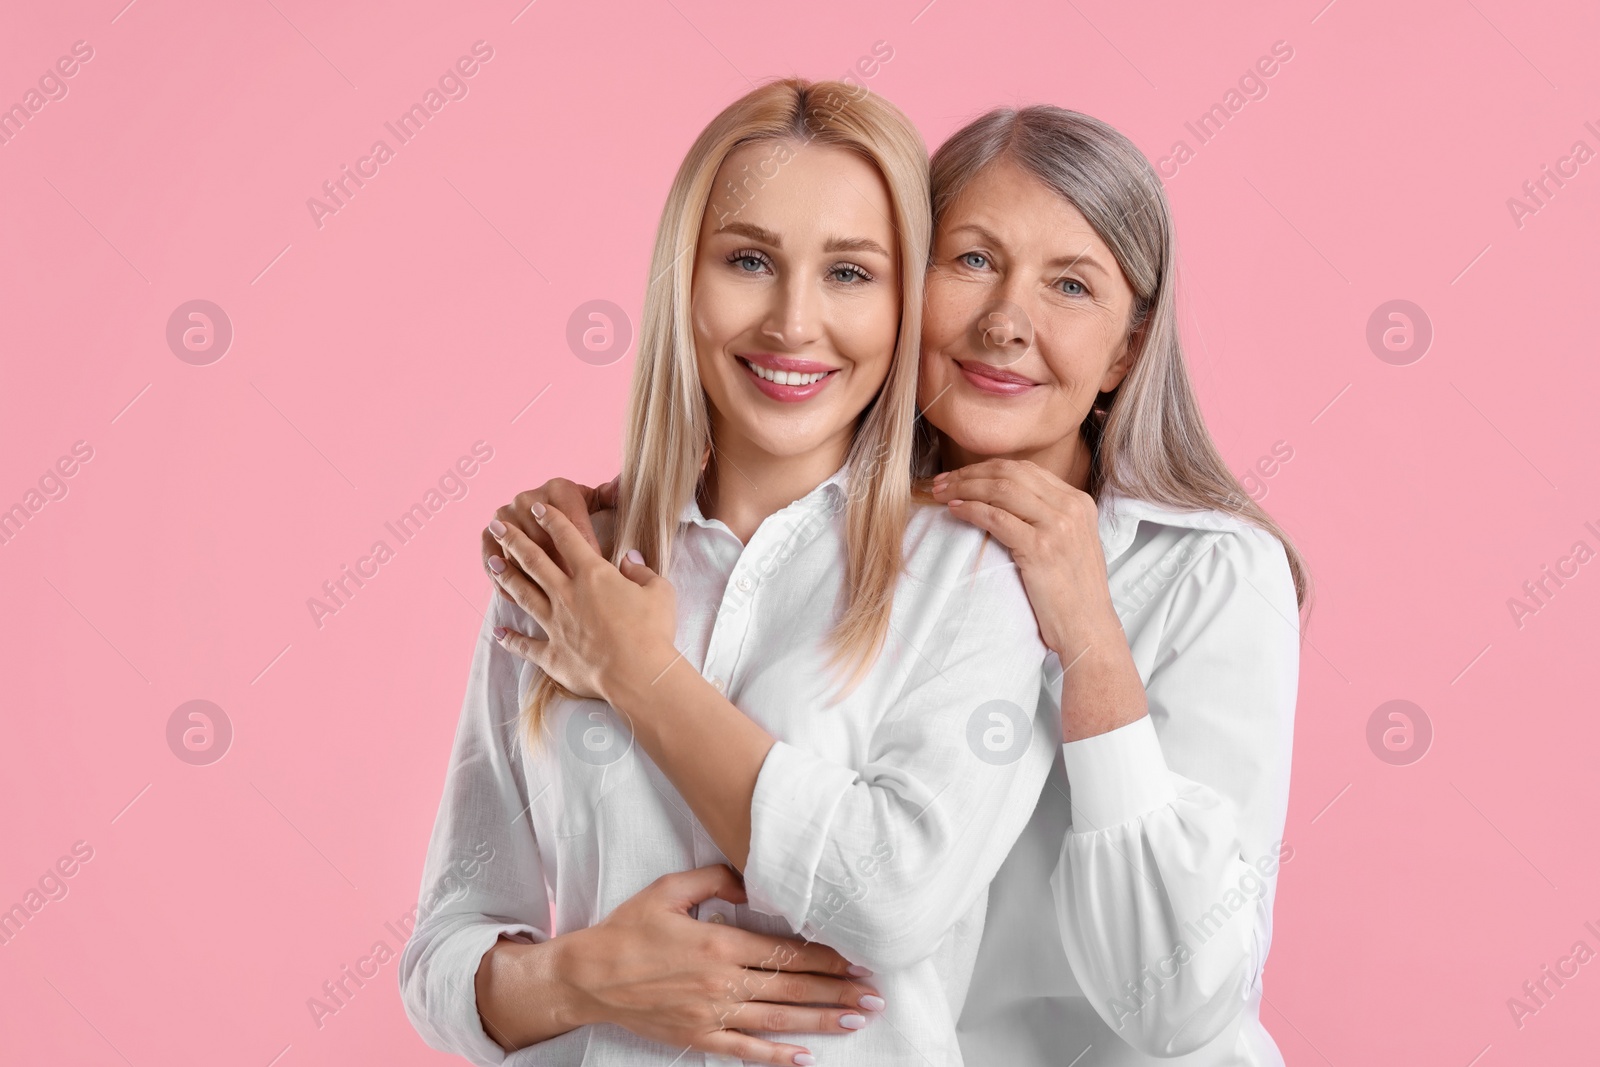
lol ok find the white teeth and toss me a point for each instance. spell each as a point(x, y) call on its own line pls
point(785, 377)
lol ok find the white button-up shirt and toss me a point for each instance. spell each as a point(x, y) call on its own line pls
point(879, 816)
point(1130, 924)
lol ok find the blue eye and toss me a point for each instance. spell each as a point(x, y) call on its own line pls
point(1072, 287)
point(849, 274)
point(749, 262)
point(975, 260)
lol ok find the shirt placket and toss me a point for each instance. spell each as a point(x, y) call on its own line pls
point(735, 614)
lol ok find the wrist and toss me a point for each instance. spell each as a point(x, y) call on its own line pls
point(1099, 637)
point(572, 1004)
point(627, 683)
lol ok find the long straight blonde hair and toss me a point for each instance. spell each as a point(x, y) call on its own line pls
point(1146, 437)
point(669, 427)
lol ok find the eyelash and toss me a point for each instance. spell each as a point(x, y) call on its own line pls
point(1083, 290)
point(761, 257)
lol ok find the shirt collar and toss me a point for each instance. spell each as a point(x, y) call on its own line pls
point(1121, 515)
point(829, 495)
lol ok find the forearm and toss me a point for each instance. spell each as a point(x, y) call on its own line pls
point(524, 995)
point(1100, 686)
point(709, 749)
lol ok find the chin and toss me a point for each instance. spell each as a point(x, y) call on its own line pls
point(982, 429)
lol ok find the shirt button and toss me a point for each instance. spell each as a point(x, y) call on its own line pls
point(719, 685)
point(744, 584)
point(717, 918)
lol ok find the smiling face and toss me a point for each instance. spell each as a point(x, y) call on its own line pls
point(1025, 322)
point(796, 300)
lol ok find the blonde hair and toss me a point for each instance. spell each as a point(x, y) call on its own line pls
point(669, 428)
point(1146, 437)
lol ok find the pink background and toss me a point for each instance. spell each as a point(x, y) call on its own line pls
point(431, 311)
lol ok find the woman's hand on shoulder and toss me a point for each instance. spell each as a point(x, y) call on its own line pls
point(1053, 532)
point(607, 629)
point(576, 502)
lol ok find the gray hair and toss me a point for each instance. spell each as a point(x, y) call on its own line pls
point(1146, 437)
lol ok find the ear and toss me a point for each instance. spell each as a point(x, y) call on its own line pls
point(1124, 362)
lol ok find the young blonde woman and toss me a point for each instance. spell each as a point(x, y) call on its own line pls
point(1131, 922)
point(898, 750)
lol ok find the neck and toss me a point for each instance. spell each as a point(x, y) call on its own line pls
point(744, 484)
point(1067, 459)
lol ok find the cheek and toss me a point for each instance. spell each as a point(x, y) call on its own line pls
point(866, 330)
point(945, 314)
point(1077, 350)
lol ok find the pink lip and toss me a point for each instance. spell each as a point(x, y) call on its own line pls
point(788, 394)
point(789, 363)
point(994, 380)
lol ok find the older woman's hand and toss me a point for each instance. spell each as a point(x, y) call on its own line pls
point(1053, 532)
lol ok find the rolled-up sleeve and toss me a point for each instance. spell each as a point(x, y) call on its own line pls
point(1166, 880)
point(483, 877)
point(881, 860)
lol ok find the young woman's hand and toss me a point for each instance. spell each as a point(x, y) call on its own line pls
point(576, 502)
point(603, 625)
point(653, 969)
point(1053, 532)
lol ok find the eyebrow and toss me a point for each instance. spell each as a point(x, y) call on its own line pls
point(1082, 259)
point(835, 244)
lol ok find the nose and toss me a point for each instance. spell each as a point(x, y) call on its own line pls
point(795, 318)
point(1001, 332)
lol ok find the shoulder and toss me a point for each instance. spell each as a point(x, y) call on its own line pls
point(938, 547)
point(956, 578)
point(1190, 561)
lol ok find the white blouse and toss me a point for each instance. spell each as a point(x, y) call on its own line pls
point(879, 817)
point(1155, 848)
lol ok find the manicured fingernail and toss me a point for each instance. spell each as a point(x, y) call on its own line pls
point(497, 564)
point(497, 528)
point(805, 1059)
point(855, 970)
point(635, 556)
point(953, 503)
point(499, 632)
point(537, 509)
point(872, 1003)
point(852, 1021)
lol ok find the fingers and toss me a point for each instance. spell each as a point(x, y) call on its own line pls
point(521, 645)
point(575, 502)
point(534, 561)
point(575, 550)
point(791, 954)
point(518, 588)
point(635, 569)
point(1005, 527)
point(839, 995)
point(753, 1049)
point(684, 889)
point(490, 549)
point(793, 1018)
point(1018, 496)
point(606, 495)
point(514, 514)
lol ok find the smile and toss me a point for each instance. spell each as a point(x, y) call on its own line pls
point(994, 380)
point(785, 378)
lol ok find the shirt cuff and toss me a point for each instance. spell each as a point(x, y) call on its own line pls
point(458, 959)
point(1117, 776)
point(795, 797)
